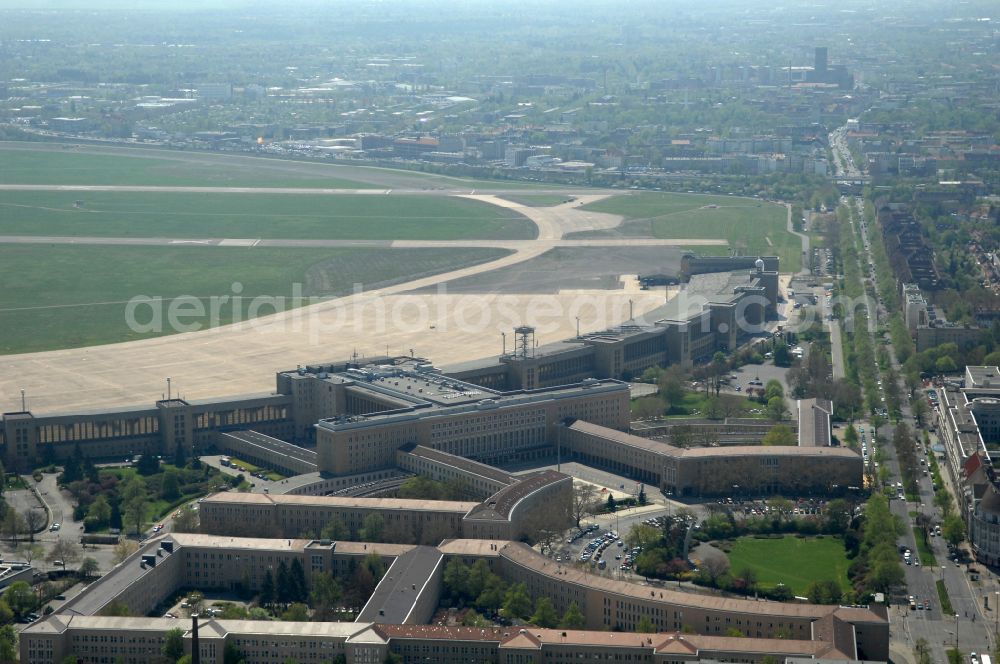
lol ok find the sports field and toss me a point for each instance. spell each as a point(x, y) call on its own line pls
point(232, 215)
point(62, 296)
point(749, 225)
point(793, 561)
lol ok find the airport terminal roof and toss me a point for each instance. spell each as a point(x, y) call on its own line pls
point(702, 289)
point(452, 397)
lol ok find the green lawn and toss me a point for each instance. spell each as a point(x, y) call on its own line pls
point(794, 561)
point(222, 215)
point(923, 548)
point(74, 167)
point(749, 225)
point(252, 468)
point(697, 405)
point(163, 167)
point(65, 296)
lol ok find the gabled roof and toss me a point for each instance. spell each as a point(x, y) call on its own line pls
point(676, 643)
point(524, 639)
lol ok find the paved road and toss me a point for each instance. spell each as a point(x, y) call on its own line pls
point(515, 245)
point(263, 167)
point(805, 271)
point(311, 191)
point(240, 359)
point(970, 627)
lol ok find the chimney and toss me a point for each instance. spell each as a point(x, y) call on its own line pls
point(195, 647)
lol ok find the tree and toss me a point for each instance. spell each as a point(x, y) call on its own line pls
point(124, 549)
point(492, 596)
point(33, 551)
point(297, 612)
point(135, 500)
point(573, 618)
point(267, 589)
point(545, 615)
point(824, 592)
point(179, 457)
point(851, 437)
point(584, 501)
point(782, 358)
point(231, 654)
point(611, 505)
point(748, 576)
point(776, 409)
point(945, 364)
point(335, 530)
point(20, 598)
point(773, 389)
point(186, 521)
point(173, 644)
point(647, 408)
point(920, 410)
point(714, 566)
point(456, 579)
point(13, 525)
point(34, 520)
point(325, 594)
point(88, 567)
point(517, 602)
point(953, 529)
point(170, 486)
point(923, 652)
point(672, 385)
point(643, 536)
point(98, 514)
point(645, 626)
point(283, 584)
point(63, 553)
point(837, 516)
point(371, 528)
point(8, 644)
point(297, 579)
point(779, 434)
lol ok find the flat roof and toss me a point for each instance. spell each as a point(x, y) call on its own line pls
point(342, 502)
point(487, 401)
point(536, 638)
point(701, 289)
point(707, 452)
point(404, 583)
point(56, 624)
point(501, 504)
point(523, 555)
point(468, 465)
point(983, 376)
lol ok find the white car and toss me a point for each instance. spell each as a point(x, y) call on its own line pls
point(54, 527)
